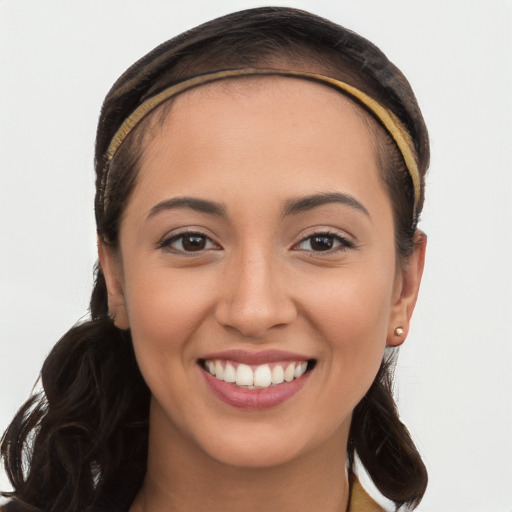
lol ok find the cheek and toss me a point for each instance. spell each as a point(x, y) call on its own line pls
point(350, 300)
point(165, 307)
point(350, 312)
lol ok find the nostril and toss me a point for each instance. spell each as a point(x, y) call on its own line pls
point(253, 321)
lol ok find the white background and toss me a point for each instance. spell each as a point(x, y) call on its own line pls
point(454, 384)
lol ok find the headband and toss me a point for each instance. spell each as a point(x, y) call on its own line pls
point(388, 119)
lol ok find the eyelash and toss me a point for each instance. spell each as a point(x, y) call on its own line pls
point(343, 244)
point(166, 243)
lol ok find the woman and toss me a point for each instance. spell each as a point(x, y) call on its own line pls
point(259, 183)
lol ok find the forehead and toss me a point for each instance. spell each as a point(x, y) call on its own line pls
point(259, 88)
point(286, 103)
point(273, 134)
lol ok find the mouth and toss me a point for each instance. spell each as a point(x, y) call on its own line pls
point(260, 376)
point(253, 382)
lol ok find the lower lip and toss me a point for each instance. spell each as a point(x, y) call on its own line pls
point(254, 399)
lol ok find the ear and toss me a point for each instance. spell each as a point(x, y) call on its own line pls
point(406, 290)
point(111, 268)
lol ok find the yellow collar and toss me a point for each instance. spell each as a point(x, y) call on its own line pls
point(359, 500)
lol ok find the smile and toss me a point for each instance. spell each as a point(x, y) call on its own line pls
point(255, 381)
point(255, 377)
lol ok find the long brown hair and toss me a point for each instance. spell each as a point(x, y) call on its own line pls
point(85, 438)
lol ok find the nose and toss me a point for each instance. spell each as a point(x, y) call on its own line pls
point(255, 296)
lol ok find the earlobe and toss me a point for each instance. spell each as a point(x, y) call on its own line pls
point(406, 292)
point(110, 266)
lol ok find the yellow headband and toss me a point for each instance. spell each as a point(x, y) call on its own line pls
point(392, 124)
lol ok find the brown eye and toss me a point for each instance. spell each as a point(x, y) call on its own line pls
point(188, 242)
point(325, 242)
point(193, 242)
point(322, 242)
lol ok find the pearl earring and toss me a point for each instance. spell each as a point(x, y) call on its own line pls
point(399, 331)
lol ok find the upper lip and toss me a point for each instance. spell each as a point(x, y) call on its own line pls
point(255, 358)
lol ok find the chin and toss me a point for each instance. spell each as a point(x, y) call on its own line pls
point(253, 452)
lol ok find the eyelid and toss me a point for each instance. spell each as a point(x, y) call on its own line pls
point(166, 241)
point(346, 242)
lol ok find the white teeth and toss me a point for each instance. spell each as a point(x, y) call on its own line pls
point(219, 371)
point(289, 373)
point(244, 375)
point(229, 373)
point(263, 376)
point(300, 369)
point(211, 367)
point(277, 374)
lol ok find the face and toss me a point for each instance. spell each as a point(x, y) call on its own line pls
point(258, 245)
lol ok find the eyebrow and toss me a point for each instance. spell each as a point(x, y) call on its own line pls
point(192, 203)
point(292, 207)
point(296, 206)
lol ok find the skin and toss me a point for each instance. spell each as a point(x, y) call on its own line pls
point(253, 146)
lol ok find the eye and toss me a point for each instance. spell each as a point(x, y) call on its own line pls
point(324, 242)
point(188, 242)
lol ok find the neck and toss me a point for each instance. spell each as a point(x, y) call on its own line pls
point(180, 478)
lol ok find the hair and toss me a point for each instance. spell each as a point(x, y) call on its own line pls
point(71, 446)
